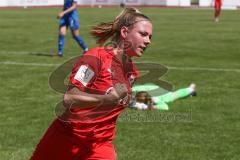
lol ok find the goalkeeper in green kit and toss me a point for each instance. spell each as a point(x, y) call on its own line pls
point(143, 99)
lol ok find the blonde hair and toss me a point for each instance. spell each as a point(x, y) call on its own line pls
point(128, 17)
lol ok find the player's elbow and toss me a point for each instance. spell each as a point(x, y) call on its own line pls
point(74, 6)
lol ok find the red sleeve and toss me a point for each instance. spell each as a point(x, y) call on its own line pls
point(85, 71)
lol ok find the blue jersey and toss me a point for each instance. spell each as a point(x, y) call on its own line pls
point(70, 19)
point(68, 4)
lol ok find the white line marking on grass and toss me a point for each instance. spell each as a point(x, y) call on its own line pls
point(28, 64)
point(204, 69)
point(23, 52)
point(169, 67)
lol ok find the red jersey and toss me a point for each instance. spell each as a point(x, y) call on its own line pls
point(218, 3)
point(96, 72)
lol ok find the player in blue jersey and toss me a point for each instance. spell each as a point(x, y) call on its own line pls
point(69, 18)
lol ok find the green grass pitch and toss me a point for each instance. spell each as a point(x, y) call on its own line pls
point(195, 48)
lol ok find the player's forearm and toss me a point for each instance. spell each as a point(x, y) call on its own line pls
point(74, 6)
point(73, 100)
point(77, 98)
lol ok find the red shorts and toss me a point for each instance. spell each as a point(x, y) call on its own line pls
point(57, 145)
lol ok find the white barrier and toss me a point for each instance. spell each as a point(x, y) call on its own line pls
point(226, 4)
point(205, 3)
point(139, 2)
point(14, 3)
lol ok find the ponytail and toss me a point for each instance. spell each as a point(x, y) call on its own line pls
point(104, 31)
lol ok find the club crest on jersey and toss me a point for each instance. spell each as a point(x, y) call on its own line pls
point(84, 75)
point(131, 79)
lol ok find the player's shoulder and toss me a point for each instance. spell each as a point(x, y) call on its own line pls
point(99, 52)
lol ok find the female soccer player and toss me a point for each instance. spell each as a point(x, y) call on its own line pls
point(69, 18)
point(99, 90)
point(217, 5)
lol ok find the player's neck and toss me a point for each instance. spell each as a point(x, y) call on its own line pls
point(118, 53)
point(121, 55)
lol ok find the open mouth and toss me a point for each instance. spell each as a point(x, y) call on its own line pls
point(142, 48)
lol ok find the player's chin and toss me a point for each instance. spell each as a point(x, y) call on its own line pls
point(139, 53)
point(136, 53)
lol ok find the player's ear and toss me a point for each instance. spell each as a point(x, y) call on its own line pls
point(124, 32)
